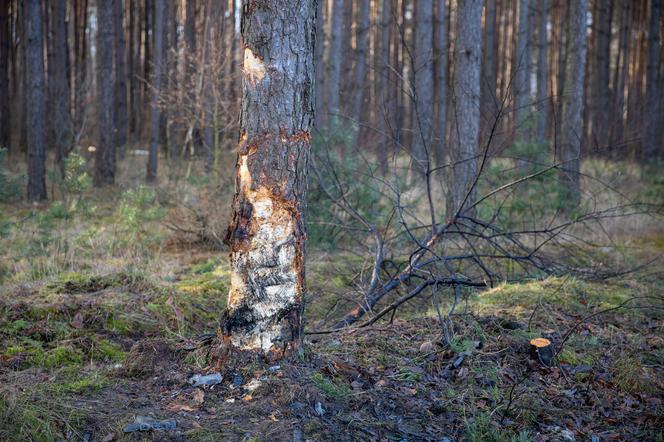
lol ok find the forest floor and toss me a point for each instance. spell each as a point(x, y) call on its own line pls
point(108, 308)
point(84, 354)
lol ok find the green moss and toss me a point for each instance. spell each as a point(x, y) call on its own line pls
point(74, 382)
point(331, 389)
point(60, 357)
point(107, 351)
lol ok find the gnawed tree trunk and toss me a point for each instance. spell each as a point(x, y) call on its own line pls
point(266, 236)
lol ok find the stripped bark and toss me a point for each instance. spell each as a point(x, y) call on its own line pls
point(266, 235)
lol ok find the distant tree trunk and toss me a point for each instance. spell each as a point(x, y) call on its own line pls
point(601, 81)
point(190, 27)
point(319, 66)
point(542, 73)
point(266, 236)
point(441, 84)
point(572, 124)
point(384, 96)
point(361, 50)
point(213, 13)
point(619, 80)
point(464, 146)
point(423, 89)
point(653, 143)
point(334, 61)
point(36, 105)
point(105, 160)
point(80, 62)
point(120, 93)
point(521, 65)
point(60, 116)
point(155, 113)
point(4, 74)
point(489, 103)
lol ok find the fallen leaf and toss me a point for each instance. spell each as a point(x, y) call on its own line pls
point(426, 347)
point(77, 321)
point(110, 437)
point(198, 396)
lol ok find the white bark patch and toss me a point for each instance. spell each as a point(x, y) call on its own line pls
point(254, 68)
point(264, 273)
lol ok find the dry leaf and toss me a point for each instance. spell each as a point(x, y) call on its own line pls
point(77, 322)
point(198, 396)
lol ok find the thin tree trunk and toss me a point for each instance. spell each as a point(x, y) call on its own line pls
point(120, 93)
point(60, 116)
point(423, 87)
point(653, 142)
point(441, 84)
point(266, 236)
point(155, 113)
point(334, 61)
point(361, 58)
point(4, 74)
point(620, 79)
point(36, 105)
point(572, 124)
point(464, 147)
point(542, 73)
point(521, 64)
point(320, 65)
point(105, 157)
point(601, 83)
point(488, 101)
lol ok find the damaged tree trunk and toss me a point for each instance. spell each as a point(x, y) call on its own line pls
point(266, 236)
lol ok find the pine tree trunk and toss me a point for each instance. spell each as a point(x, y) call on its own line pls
point(521, 64)
point(36, 105)
point(653, 143)
point(572, 124)
point(542, 73)
point(362, 49)
point(266, 236)
point(120, 93)
point(60, 116)
point(4, 74)
point(155, 112)
point(320, 65)
point(489, 103)
point(105, 161)
point(601, 83)
point(423, 86)
point(334, 61)
point(464, 146)
point(441, 84)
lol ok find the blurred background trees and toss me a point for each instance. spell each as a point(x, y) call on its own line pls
point(559, 81)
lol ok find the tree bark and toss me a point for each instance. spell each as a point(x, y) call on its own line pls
point(362, 49)
point(334, 61)
point(542, 73)
point(489, 102)
point(441, 84)
point(319, 66)
point(652, 145)
point(465, 134)
point(601, 82)
point(155, 113)
point(572, 124)
point(4, 74)
point(36, 105)
point(521, 65)
point(266, 236)
point(120, 93)
point(423, 87)
point(60, 116)
point(105, 160)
